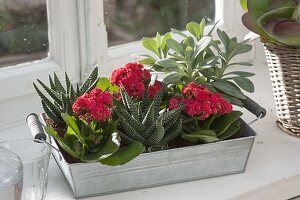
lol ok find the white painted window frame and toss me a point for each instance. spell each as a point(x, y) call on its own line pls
point(63, 55)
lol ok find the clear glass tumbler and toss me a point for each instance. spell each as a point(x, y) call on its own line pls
point(11, 175)
point(34, 155)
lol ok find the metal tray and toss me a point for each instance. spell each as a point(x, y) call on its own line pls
point(159, 168)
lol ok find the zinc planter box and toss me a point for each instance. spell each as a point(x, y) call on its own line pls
point(160, 167)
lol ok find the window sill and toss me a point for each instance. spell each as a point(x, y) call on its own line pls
point(273, 170)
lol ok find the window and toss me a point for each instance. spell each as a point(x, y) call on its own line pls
point(23, 31)
point(129, 21)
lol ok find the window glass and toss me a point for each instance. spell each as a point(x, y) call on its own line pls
point(128, 21)
point(23, 31)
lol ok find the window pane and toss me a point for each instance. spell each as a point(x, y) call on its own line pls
point(128, 21)
point(23, 31)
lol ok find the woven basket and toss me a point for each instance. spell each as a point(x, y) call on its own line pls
point(284, 65)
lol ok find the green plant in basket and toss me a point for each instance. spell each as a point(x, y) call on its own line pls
point(198, 57)
point(277, 21)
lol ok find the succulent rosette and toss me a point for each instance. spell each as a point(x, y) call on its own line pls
point(277, 21)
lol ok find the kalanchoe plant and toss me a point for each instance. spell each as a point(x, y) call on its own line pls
point(207, 117)
point(91, 132)
point(277, 21)
point(62, 96)
point(197, 57)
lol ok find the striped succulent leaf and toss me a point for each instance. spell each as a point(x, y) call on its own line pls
point(59, 98)
point(146, 122)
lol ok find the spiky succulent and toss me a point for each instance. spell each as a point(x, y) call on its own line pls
point(58, 99)
point(144, 121)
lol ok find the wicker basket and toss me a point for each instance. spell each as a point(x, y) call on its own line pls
point(284, 65)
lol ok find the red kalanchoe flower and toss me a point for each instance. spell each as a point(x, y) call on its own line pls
point(173, 103)
point(201, 102)
point(94, 105)
point(132, 77)
point(154, 89)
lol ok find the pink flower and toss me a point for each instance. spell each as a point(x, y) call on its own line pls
point(201, 102)
point(154, 89)
point(94, 105)
point(132, 77)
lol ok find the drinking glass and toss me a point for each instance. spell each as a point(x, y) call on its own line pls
point(34, 155)
point(11, 175)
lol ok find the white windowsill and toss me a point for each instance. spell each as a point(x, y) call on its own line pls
point(273, 170)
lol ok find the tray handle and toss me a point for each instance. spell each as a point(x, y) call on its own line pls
point(254, 108)
point(36, 129)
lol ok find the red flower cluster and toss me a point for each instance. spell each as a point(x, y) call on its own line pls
point(94, 105)
point(132, 77)
point(199, 101)
point(154, 89)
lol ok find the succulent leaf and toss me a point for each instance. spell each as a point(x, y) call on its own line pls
point(59, 88)
point(91, 79)
point(51, 92)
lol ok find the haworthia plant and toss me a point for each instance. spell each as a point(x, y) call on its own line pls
point(58, 98)
point(145, 122)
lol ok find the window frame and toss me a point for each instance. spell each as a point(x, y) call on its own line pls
point(63, 54)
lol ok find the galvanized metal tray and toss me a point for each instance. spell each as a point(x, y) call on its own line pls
point(159, 168)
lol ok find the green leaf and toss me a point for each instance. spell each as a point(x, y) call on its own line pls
point(205, 136)
point(221, 124)
point(240, 73)
point(244, 83)
point(202, 45)
point(166, 63)
point(233, 100)
point(194, 29)
point(189, 53)
point(90, 80)
point(150, 44)
point(110, 146)
point(164, 39)
point(61, 143)
point(202, 26)
point(229, 88)
point(71, 122)
point(124, 154)
point(103, 83)
point(173, 77)
point(147, 61)
point(179, 32)
point(257, 8)
point(174, 45)
point(158, 39)
point(241, 63)
point(230, 131)
point(244, 4)
point(51, 92)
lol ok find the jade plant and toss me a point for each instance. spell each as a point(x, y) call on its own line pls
point(58, 98)
point(277, 21)
point(197, 57)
